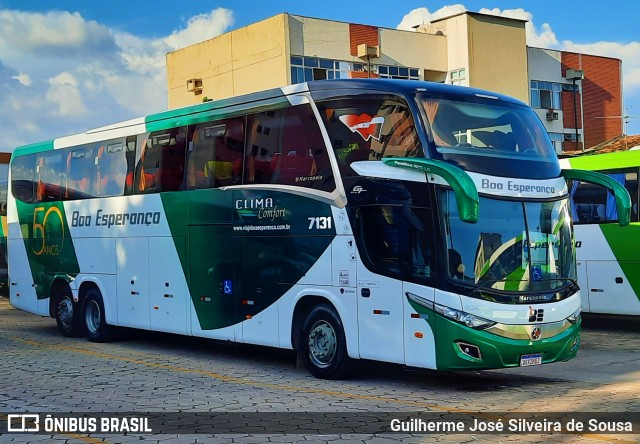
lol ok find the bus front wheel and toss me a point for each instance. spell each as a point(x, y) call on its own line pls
point(94, 318)
point(68, 316)
point(323, 345)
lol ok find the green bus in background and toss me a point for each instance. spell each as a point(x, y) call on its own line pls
point(4, 284)
point(608, 255)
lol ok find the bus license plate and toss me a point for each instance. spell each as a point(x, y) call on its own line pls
point(533, 359)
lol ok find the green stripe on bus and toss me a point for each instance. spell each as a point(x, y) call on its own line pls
point(625, 251)
point(34, 148)
point(463, 186)
point(225, 264)
point(175, 120)
point(608, 161)
point(48, 243)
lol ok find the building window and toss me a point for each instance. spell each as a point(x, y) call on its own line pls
point(396, 72)
point(546, 95)
point(570, 137)
point(458, 77)
point(306, 69)
point(557, 139)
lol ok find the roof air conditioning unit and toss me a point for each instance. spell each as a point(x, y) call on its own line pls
point(365, 51)
point(552, 115)
point(194, 85)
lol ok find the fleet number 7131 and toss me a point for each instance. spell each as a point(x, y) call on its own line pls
point(320, 223)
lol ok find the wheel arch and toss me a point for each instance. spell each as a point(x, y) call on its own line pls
point(86, 283)
point(304, 303)
point(58, 283)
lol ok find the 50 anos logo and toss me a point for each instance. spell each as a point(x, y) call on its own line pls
point(48, 231)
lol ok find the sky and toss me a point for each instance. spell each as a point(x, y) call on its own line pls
point(72, 65)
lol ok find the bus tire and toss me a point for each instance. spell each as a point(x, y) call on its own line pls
point(323, 346)
point(68, 314)
point(93, 317)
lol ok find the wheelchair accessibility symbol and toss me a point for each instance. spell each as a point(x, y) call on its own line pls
point(228, 287)
point(536, 273)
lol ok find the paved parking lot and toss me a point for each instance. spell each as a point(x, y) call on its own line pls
point(43, 372)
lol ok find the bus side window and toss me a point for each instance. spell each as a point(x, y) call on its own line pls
point(161, 165)
point(22, 175)
point(369, 128)
point(592, 204)
point(396, 233)
point(112, 166)
point(49, 174)
point(215, 154)
point(286, 147)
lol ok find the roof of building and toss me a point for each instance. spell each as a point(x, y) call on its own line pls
point(617, 144)
point(479, 14)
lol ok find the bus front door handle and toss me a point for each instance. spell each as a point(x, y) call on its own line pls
point(365, 292)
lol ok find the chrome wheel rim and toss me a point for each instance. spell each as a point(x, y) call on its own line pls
point(323, 344)
point(65, 312)
point(93, 317)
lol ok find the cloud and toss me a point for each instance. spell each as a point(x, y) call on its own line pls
point(65, 95)
point(24, 79)
point(59, 32)
point(422, 16)
point(62, 74)
point(201, 27)
point(542, 37)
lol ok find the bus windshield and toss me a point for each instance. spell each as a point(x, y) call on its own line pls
point(514, 246)
point(486, 127)
point(489, 135)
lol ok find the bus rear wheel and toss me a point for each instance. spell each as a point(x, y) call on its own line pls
point(68, 316)
point(94, 318)
point(323, 346)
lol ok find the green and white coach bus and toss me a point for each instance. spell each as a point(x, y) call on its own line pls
point(608, 256)
point(400, 221)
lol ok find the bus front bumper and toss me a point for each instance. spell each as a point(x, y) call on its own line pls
point(459, 347)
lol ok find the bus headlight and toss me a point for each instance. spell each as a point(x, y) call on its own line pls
point(464, 318)
point(575, 317)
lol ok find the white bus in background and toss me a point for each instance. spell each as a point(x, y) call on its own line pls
point(608, 255)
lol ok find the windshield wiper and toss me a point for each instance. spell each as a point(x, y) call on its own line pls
point(483, 286)
point(573, 284)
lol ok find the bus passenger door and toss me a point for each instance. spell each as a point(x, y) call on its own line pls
point(379, 286)
point(583, 282)
point(167, 289)
point(213, 261)
point(133, 282)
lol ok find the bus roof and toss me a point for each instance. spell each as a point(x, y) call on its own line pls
point(272, 97)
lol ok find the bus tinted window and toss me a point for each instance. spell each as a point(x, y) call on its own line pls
point(112, 168)
point(49, 176)
point(369, 128)
point(79, 172)
point(286, 147)
point(592, 204)
point(161, 165)
point(22, 173)
point(486, 127)
point(215, 154)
